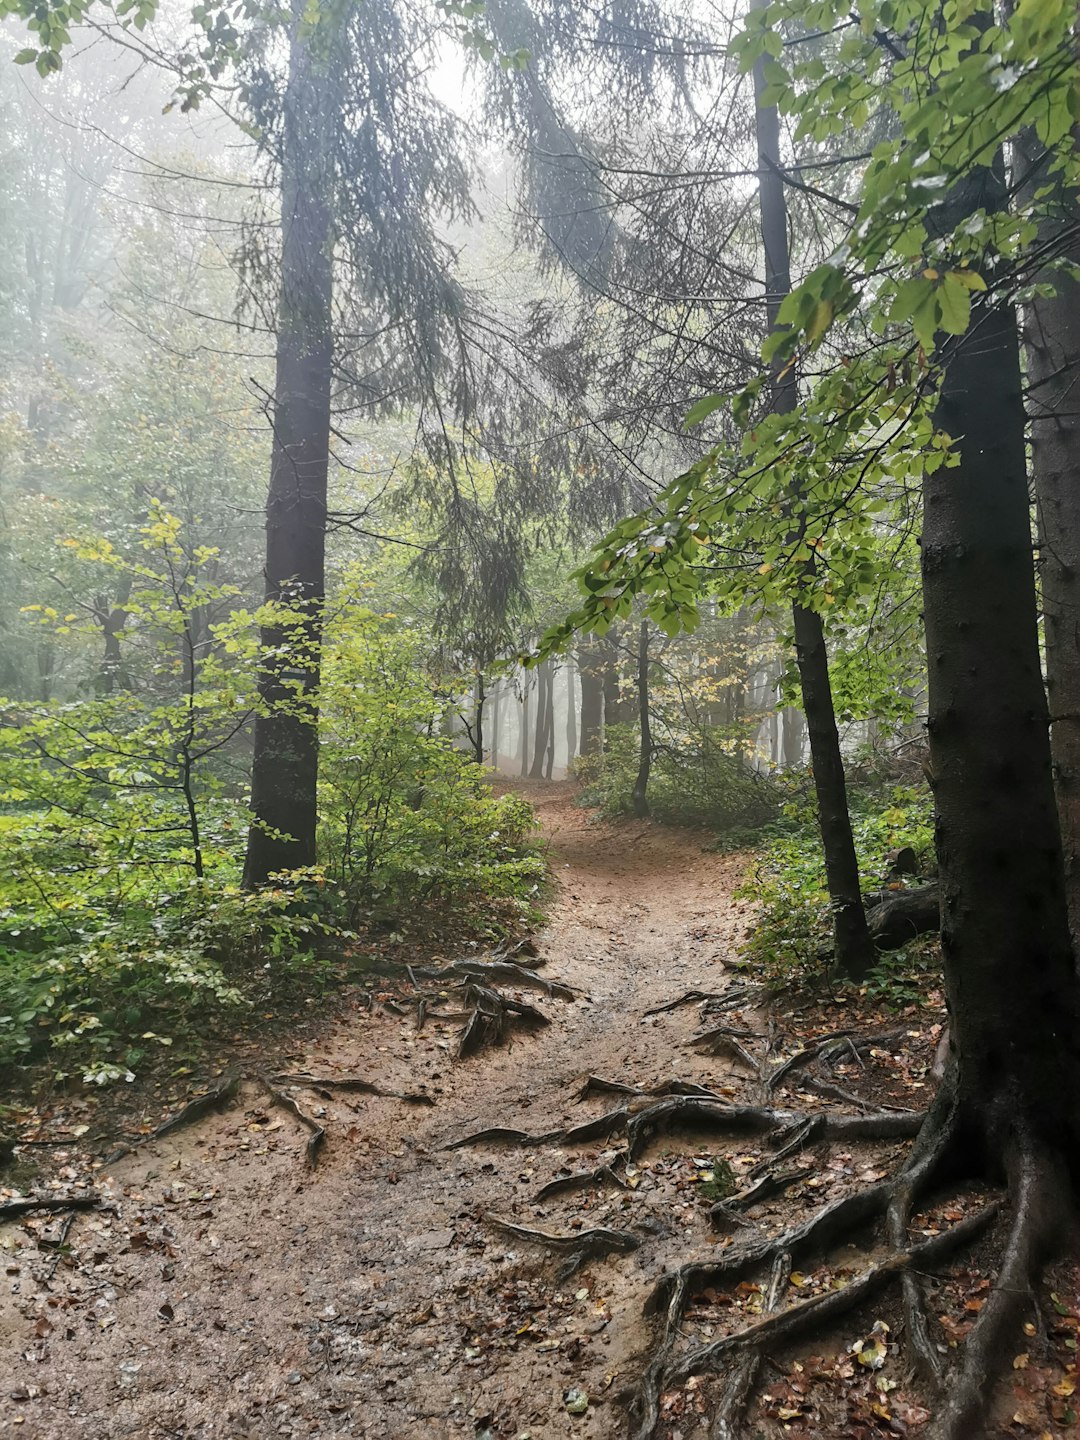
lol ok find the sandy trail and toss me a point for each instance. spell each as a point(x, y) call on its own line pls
point(236, 1294)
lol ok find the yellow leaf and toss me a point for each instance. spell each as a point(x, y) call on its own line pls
point(931, 274)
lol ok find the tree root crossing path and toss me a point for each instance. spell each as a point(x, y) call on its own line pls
point(591, 1189)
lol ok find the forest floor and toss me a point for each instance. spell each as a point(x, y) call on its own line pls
point(221, 1288)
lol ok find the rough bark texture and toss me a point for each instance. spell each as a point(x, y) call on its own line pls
point(854, 948)
point(1052, 339)
point(640, 798)
point(286, 755)
point(1009, 968)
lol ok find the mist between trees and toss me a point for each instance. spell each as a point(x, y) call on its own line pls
point(396, 394)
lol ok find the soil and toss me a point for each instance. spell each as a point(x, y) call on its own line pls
point(231, 1291)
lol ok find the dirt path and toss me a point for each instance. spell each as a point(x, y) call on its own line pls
point(233, 1293)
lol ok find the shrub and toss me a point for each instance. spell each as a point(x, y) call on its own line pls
point(793, 934)
point(409, 823)
point(695, 780)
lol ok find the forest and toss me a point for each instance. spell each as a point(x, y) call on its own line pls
point(540, 721)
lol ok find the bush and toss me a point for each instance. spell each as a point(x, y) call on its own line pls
point(410, 826)
point(95, 986)
point(793, 935)
point(695, 780)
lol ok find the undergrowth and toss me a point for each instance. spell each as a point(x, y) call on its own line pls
point(123, 925)
point(698, 778)
point(791, 941)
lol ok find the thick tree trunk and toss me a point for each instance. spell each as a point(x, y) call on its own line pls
point(854, 948)
point(592, 700)
point(1009, 971)
point(1052, 338)
point(286, 751)
point(640, 798)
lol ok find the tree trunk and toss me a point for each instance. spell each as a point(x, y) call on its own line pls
point(523, 748)
point(613, 702)
point(478, 722)
point(640, 798)
point(791, 751)
point(571, 714)
point(286, 750)
point(496, 738)
point(1009, 969)
point(854, 948)
point(592, 700)
point(543, 719)
point(1052, 338)
point(549, 749)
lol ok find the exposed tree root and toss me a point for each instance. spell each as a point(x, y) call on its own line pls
point(500, 970)
point(666, 1371)
point(49, 1205)
point(742, 1374)
point(583, 1246)
point(216, 1098)
point(502, 1135)
point(606, 1174)
point(770, 1184)
point(692, 997)
point(794, 1321)
point(643, 1117)
point(316, 1133)
point(1039, 1220)
point(492, 1013)
point(326, 1083)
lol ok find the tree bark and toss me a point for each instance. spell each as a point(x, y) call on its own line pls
point(1052, 339)
point(640, 797)
point(853, 947)
point(1009, 971)
point(592, 700)
point(543, 719)
point(478, 721)
point(571, 713)
point(496, 738)
point(286, 749)
point(613, 701)
point(523, 747)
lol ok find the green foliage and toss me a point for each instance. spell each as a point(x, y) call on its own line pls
point(695, 780)
point(122, 924)
point(410, 824)
point(96, 985)
point(792, 937)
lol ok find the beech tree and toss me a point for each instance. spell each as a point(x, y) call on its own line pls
point(854, 949)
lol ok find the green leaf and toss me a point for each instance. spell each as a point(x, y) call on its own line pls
point(954, 302)
point(702, 408)
point(26, 57)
